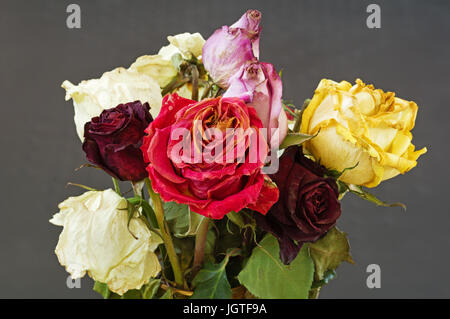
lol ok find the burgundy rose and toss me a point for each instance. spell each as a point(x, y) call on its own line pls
point(308, 205)
point(113, 140)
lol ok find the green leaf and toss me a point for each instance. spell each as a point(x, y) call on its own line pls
point(211, 282)
point(132, 294)
point(168, 294)
point(147, 210)
point(83, 186)
point(210, 245)
point(185, 250)
point(236, 218)
point(342, 189)
point(149, 291)
point(336, 174)
point(102, 289)
point(131, 212)
point(358, 190)
point(265, 276)
point(329, 252)
point(181, 220)
point(294, 139)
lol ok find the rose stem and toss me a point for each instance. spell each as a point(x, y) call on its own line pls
point(116, 186)
point(159, 212)
point(200, 243)
point(194, 74)
point(298, 121)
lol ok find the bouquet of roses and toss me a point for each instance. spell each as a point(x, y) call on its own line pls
point(235, 191)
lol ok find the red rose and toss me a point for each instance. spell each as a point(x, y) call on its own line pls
point(112, 140)
point(308, 206)
point(194, 169)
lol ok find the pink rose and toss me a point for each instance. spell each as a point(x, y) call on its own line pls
point(195, 169)
point(259, 85)
point(230, 47)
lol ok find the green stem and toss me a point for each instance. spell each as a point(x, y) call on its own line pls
point(298, 121)
point(175, 84)
point(207, 90)
point(116, 186)
point(159, 212)
point(200, 243)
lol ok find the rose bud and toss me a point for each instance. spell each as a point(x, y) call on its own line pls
point(308, 206)
point(363, 128)
point(258, 84)
point(113, 140)
point(230, 47)
point(206, 180)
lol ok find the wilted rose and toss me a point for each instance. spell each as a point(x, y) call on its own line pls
point(229, 48)
point(361, 127)
point(98, 239)
point(113, 140)
point(91, 97)
point(160, 67)
point(308, 205)
point(258, 84)
point(210, 184)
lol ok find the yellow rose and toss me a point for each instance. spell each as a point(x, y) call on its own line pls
point(97, 240)
point(361, 125)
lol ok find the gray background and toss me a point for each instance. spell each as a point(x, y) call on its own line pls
point(309, 40)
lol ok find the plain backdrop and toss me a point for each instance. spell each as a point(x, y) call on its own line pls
point(309, 40)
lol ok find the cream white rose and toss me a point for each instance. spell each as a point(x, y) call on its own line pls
point(96, 240)
point(118, 86)
point(185, 44)
point(160, 66)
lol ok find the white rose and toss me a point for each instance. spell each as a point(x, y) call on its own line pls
point(160, 67)
point(184, 43)
point(118, 86)
point(96, 240)
point(156, 67)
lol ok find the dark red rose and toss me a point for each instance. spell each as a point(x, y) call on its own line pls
point(308, 205)
point(112, 140)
